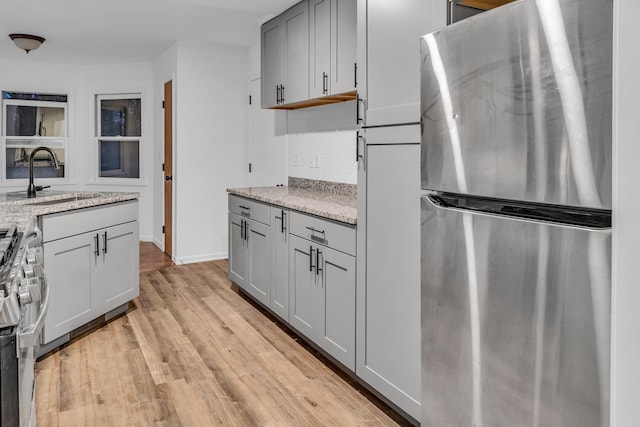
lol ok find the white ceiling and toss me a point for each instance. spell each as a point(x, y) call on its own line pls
point(115, 31)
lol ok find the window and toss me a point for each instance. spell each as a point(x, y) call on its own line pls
point(31, 120)
point(119, 135)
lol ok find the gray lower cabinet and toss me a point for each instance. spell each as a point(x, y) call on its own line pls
point(388, 305)
point(249, 256)
point(280, 262)
point(89, 272)
point(322, 297)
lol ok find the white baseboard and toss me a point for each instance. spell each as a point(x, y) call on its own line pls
point(147, 239)
point(201, 258)
point(158, 243)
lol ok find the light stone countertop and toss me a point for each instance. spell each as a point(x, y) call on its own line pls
point(18, 210)
point(326, 204)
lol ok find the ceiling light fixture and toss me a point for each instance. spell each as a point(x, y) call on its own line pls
point(27, 42)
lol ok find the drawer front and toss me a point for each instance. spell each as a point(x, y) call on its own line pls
point(70, 223)
point(328, 233)
point(249, 209)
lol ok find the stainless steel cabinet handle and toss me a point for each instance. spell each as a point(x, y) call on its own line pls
point(358, 118)
point(310, 258)
point(313, 230)
point(318, 269)
point(97, 251)
point(278, 94)
point(242, 229)
point(104, 236)
point(282, 227)
point(355, 74)
point(324, 83)
point(246, 236)
point(282, 94)
point(244, 207)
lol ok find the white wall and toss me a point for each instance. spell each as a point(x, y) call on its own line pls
point(209, 153)
point(625, 355)
point(322, 143)
point(81, 83)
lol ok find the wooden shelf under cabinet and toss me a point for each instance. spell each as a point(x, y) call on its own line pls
point(483, 4)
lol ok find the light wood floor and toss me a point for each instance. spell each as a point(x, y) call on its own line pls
point(193, 351)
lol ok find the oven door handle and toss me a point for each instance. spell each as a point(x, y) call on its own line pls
point(31, 337)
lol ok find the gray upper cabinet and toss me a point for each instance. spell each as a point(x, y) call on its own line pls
point(285, 57)
point(389, 56)
point(332, 47)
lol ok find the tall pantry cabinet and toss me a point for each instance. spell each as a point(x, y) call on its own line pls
point(388, 150)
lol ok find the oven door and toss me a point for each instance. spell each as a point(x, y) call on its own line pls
point(30, 329)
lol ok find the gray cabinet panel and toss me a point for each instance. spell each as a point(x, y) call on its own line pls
point(303, 284)
point(117, 274)
point(272, 41)
point(68, 263)
point(337, 305)
point(237, 250)
point(296, 54)
point(259, 273)
point(389, 58)
point(280, 262)
point(320, 42)
point(343, 46)
point(388, 305)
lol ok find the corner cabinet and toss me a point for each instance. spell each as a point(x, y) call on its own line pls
point(91, 258)
point(285, 57)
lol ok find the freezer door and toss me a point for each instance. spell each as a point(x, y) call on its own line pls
point(515, 321)
point(516, 104)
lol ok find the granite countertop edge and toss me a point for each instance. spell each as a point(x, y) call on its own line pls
point(341, 208)
point(20, 212)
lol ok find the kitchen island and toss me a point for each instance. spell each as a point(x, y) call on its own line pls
point(89, 252)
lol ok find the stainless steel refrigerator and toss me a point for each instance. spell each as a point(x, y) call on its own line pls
point(516, 216)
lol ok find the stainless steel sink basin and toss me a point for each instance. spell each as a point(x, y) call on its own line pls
point(74, 198)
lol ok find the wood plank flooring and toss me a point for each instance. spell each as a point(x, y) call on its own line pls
point(193, 351)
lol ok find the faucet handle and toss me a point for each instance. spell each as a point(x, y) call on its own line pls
point(42, 187)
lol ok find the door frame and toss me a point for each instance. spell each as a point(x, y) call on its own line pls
point(168, 169)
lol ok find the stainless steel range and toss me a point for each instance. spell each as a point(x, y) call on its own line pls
point(23, 306)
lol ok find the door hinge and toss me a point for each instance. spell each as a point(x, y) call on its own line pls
point(249, 99)
point(162, 104)
point(249, 167)
point(163, 166)
point(163, 229)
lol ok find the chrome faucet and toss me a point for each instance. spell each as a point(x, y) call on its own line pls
point(31, 189)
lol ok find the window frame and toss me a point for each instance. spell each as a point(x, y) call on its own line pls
point(53, 142)
point(95, 161)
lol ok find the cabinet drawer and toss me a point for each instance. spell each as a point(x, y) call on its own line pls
point(328, 233)
point(249, 209)
point(71, 223)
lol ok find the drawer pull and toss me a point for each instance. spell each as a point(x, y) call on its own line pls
point(244, 207)
point(313, 230)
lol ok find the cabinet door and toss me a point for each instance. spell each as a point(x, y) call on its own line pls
point(303, 287)
point(237, 250)
point(296, 54)
point(388, 306)
point(280, 262)
point(68, 264)
point(337, 305)
point(116, 278)
point(320, 43)
point(391, 56)
point(259, 274)
point(343, 46)
point(272, 58)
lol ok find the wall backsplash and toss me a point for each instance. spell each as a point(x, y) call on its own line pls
point(321, 143)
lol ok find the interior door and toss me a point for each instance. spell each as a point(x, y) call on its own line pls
point(168, 168)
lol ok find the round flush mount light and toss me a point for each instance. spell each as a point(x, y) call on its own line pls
point(26, 42)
